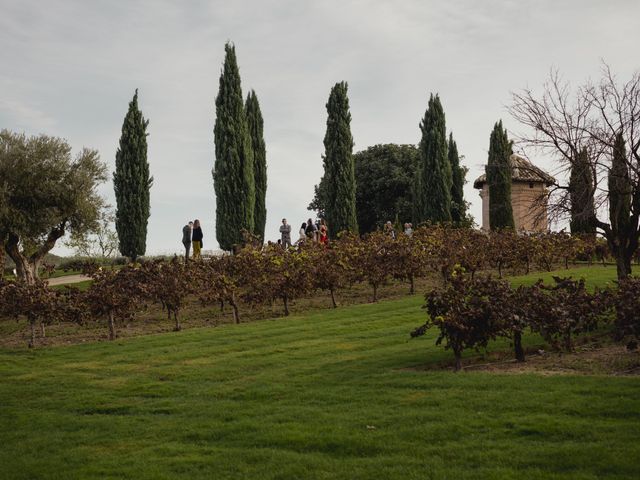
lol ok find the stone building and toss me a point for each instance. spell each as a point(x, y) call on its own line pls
point(528, 196)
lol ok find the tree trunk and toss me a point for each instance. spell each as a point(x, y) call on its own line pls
point(458, 361)
point(285, 300)
point(623, 264)
point(412, 281)
point(499, 269)
point(178, 327)
point(43, 332)
point(517, 345)
point(236, 315)
point(112, 327)
point(32, 326)
point(27, 268)
point(221, 306)
point(333, 298)
point(375, 292)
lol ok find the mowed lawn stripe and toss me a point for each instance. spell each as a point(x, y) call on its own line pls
point(331, 394)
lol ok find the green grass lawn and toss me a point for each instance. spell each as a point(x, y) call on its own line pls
point(330, 394)
point(595, 275)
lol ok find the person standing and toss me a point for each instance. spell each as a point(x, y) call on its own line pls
point(302, 234)
point(285, 233)
point(196, 239)
point(324, 233)
point(186, 240)
point(389, 230)
point(312, 231)
point(408, 229)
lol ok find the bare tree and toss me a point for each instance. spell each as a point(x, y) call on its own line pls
point(101, 242)
point(565, 122)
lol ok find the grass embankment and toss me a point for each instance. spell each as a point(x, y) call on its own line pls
point(327, 394)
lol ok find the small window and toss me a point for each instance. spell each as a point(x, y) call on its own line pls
point(530, 184)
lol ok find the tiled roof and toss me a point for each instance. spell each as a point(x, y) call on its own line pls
point(521, 171)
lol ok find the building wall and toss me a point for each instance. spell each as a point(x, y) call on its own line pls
point(529, 212)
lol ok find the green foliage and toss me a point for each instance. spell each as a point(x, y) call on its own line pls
point(498, 171)
point(44, 193)
point(132, 183)
point(433, 183)
point(339, 175)
point(458, 176)
point(581, 195)
point(233, 172)
point(384, 181)
point(384, 175)
point(620, 190)
point(255, 125)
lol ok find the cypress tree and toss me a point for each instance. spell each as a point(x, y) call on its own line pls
point(132, 184)
point(434, 178)
point(498, 171)
point(620, 188)
point(458, 174)
point(339, 176)
point(255, 124)
point(581, 195)
point(233, 179)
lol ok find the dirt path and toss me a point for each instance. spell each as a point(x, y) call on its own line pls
point(67, 279)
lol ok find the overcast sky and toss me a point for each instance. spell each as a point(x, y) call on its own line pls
point(69, 68)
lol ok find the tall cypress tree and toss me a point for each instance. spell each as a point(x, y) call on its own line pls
point(581, 195)
point(620, 189)
point(233, 178)
point(458, 174)
point(433, 177)
point(132, 183)
point(256, 132)
point(498, 171)
point(339, 176)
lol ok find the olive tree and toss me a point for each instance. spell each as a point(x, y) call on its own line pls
point(45, 193)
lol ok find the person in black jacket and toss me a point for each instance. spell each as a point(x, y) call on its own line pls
point(196, 239)
point(186, 240)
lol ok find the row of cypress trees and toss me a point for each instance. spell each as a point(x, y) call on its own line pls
point(239, 174)
point(438, 184)
point(438, 188)
point(240, 170)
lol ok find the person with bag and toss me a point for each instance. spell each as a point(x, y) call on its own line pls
point(196, 239)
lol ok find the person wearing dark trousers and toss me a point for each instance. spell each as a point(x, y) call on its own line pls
point(196, 239)
point(186, 240)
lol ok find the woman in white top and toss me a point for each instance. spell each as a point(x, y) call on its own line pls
point(303, 233)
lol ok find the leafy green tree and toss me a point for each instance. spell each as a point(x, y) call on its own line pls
point(581, 195)
point(458, 175)
point(233, 172)
point(132, 183)
point(256, 131)
point(384, 175)
point(434, 178)
point(339, 175)
point(498, 172)
point(44, 193)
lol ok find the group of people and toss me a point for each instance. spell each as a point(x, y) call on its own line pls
point(309, 231)
point(389, 230)
point(192, 235)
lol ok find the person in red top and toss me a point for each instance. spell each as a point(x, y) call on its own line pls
point(324, 232)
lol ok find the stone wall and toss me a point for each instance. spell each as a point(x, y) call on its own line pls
point(529, 213)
